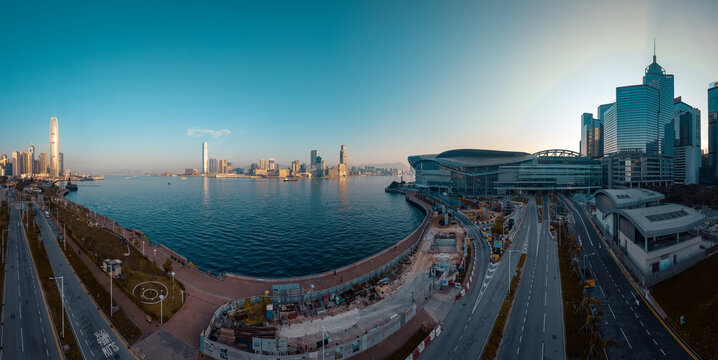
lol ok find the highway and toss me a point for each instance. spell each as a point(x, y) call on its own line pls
point(535, 326)
point(27, 331)
point(627, 317)
point(468, 325)
point(96, 338)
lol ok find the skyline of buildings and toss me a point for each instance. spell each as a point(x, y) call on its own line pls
point(25, 164)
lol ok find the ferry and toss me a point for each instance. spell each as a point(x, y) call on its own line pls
point(184, 178)
point(70, 186)
point(291, 179)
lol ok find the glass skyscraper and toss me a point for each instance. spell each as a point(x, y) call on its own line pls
point(712, 123)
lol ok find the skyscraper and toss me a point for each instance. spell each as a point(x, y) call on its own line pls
point(313, 158)
point(205, 158)
point(61, 163)
point(43, 163)
point(263, 164)
point(713, 127)
point(54, 148)
point(272, 164)
point(686, 131)
point(343, 155)
point(638, 119)
point(16, 163)
point(30, 160)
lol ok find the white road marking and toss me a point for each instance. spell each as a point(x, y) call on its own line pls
point(544, 322)
point(624, 336)
point(614, 315)
point(22, 342)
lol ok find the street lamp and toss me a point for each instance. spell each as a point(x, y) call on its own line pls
point(155, 251)
point(161, 313)
point(510, 251)
point(62, 298)
point(173, 287)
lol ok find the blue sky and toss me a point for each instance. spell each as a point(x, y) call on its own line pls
point(387, 78)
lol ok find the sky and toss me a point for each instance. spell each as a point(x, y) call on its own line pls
point(140, 85)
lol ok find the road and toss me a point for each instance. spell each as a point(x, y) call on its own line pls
point(27, 330)
point(97, 340)
point(467, 327)
point(627, 317)
point(536, 322)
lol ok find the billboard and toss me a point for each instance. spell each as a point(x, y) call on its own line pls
point(713, 84)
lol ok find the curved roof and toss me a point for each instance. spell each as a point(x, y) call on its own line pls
point(662, 220)
point(622, 198)
point(473, 158)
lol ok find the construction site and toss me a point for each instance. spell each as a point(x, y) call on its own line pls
point(260, 326)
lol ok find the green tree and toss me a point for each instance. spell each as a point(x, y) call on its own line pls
point(167, 266)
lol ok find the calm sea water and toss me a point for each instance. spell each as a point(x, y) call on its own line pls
point(264, 228)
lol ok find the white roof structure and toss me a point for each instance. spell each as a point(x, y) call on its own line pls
point(662, 219)
point(623, 198)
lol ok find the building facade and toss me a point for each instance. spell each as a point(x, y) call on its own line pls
point(313, 158)
point(205, 158)
point(686, 127)
point(488, 172)
point(54, 148)
point(713, 128)
point(637, 169)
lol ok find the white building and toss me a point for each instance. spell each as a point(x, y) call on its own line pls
point(205, 158)
point(54, 148)
point(656, 238)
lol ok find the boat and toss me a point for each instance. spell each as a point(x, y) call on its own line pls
point(291, 179)
point(70, 186)
point(184, 178)
point(128, 178)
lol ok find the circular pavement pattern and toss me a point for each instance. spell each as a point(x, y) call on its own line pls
point(149, 292)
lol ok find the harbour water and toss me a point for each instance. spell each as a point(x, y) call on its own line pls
point(264, 228)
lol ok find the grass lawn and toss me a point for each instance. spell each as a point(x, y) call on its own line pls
point(694, 295)
point(99, 243)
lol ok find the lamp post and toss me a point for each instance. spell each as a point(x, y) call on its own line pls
point(62, 298)
point(111, 272)
point(173, 287)
point(510, 251)
point(162, 297)
point(155, 251)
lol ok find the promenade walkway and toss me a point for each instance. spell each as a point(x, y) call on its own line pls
point(206, 293)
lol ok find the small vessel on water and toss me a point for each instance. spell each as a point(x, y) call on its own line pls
point(128, 178)
point(70, 186)
point(291, 179)
point(184, 178)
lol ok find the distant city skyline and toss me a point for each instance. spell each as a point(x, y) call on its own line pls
point(145, 97)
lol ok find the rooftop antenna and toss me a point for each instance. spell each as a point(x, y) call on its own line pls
point(654, 49)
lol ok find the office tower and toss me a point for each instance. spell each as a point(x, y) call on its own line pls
point(205, 158)
point(263, 164)
point(29, 160)
point(686, 131)
point(343, 155)
point(303, 168)
point(43, 163)
point(61, 163)
point(586, 125)
point(54, 148)
point(16, 160)
point(295, 167)
point(322, 167)
point(213, 166)
point(318, 166)
point(272, 165)
point(313, 158)
point(638, 119)
point(713, 127)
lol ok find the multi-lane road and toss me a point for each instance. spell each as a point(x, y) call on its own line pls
point(468, 325)
point(535, 326)
point(627, 317)
point(96, 338)
point(26, 331)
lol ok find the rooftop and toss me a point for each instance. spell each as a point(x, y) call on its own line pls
point(664, 219)
point(623, 198)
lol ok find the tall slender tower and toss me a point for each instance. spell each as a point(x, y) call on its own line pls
point(205, 158)
point(54, 148)
point(343, 155)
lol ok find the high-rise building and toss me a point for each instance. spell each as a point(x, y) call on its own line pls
point(713, 128)
point(686, 131)
point(16, 163)
point(54, 148)
point(30, 160)
point(263, 164)
point(214, 166)
point(272, 164)
point(638, 119)
point(295, 167)
point(43, 163)
point(313, 158)
point(61, 163)
point(343, 155)
point(205, 158)
point(586, 124)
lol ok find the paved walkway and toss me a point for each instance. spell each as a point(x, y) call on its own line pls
point(397, 339)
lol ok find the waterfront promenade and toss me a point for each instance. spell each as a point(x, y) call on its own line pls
point(205, 293)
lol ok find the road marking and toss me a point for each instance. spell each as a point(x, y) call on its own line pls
point(600, 288)
point(624, 336)
point(542, 351)
point(649, 334)
point(654, 341)
point(614, 315)
point(22, 342)
point(544, 322)
point(544, 298)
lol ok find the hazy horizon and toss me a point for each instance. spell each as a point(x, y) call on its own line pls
point(142, 85)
